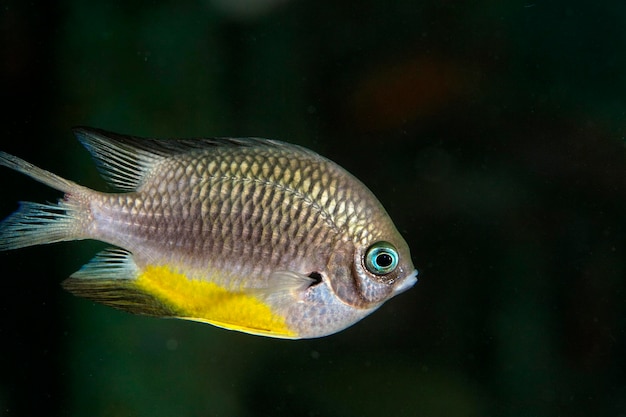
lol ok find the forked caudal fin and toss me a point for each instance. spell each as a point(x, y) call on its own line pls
point(34, 223)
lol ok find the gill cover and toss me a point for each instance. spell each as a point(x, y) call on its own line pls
point(351, 282)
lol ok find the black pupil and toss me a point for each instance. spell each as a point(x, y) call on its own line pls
point(384, 260)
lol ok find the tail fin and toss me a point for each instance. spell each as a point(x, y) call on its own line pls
point(37, 224)
point(36, 173)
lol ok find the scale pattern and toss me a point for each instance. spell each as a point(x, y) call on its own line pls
point(246, 210)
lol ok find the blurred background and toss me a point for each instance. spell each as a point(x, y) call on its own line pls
point(493, 133)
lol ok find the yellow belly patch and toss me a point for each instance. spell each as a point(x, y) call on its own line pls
point(208, 302)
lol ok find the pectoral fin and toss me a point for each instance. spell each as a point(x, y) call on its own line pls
point(288, 281)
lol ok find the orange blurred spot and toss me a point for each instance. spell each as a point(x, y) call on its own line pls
point(393, 96)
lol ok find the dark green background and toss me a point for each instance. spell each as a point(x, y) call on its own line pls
point(492, 131)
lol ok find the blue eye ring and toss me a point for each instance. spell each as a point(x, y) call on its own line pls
point(381, 258)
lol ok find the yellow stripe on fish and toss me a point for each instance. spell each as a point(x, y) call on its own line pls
point(208, 302)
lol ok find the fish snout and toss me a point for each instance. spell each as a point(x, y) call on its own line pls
point(406, 283)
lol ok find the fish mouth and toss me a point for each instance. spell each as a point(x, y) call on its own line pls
point(406, 283)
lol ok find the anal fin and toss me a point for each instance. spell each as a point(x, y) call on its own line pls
point(109, 278)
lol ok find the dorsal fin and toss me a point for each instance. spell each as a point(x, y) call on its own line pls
point(120, 162)
point(124, 161)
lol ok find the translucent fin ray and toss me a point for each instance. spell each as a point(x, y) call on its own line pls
point(109, 278)
point(121, 164)
point(110, 264)
point(37, 224)
point(36, 173)
point(282, 285)
point(280, 281)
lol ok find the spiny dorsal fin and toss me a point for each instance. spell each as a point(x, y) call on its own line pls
point(124, 161)
point(120, 163)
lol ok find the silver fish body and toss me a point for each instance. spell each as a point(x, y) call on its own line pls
point(247, 234)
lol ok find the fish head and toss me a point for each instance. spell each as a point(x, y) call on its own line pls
point(368, 272)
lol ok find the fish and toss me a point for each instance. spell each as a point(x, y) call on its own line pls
point(247, 234)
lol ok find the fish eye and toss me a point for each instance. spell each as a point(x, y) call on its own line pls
point(381, 258)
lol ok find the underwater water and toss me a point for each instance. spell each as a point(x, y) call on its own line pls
point(492, 132)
